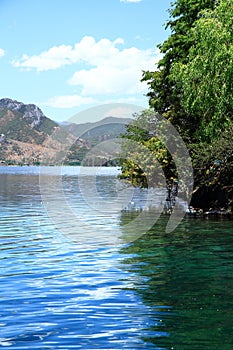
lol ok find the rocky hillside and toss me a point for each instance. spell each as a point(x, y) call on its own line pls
point(30, 112)
point(28, 136)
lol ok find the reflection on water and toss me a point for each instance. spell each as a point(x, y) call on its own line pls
point(162, 291)
point(188, 277)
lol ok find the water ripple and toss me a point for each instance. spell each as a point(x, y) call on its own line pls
point(159, 292)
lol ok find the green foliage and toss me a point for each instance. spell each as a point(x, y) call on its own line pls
point(213, 162)
point(193, 88)
point(146, 160)
point(206, 79)
point(164, 93)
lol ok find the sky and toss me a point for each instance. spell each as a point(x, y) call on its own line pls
point(67, 56)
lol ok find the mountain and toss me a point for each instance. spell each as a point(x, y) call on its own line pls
point(14, 126)
point(28, 136)
point(92, 134)
point(105, 129)
point(31, 114)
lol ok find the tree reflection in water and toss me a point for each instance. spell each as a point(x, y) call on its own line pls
point(186, 278)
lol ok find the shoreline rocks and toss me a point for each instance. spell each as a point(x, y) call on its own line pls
point(210, 213)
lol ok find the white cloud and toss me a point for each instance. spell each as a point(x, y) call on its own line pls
point(108, 80)
point(105, 67)
point(119, 72)
point(54, 58)
point(130, 1)
point(69, 101)
point(2, 52)
point(87, 50)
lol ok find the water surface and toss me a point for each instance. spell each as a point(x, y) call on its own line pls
point(161, 291)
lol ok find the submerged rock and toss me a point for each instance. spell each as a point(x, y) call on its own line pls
point(194, 212)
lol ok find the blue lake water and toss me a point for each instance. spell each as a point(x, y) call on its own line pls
point(64, 284)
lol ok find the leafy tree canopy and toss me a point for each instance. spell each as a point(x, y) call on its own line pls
point(147, 161)
point(206, 79)
point(164, 93)
point(193, 88)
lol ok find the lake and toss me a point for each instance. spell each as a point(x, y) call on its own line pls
point(76, 274)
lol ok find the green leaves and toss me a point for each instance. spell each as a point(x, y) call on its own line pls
point(206, 79)
point(146, 160)
point(193, 89)
point(164, 92)
point(214, 162)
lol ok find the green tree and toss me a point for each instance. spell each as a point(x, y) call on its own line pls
point(206, 79)
point(205, 82)
point(193, 88)
point(213, 165)
point(164, 93)
point(147, 161)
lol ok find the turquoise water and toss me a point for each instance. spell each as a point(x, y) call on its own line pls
point(161, 291)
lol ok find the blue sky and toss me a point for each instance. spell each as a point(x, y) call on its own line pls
point(70, 55)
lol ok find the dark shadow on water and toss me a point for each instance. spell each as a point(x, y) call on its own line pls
point(186, 278)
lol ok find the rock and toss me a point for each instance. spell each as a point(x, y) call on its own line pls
point(194, 212)
point(29, 111)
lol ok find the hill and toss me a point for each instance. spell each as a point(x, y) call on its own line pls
point(105, 129)
point(93, 134)
point(28, 136)
point(31, 114)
